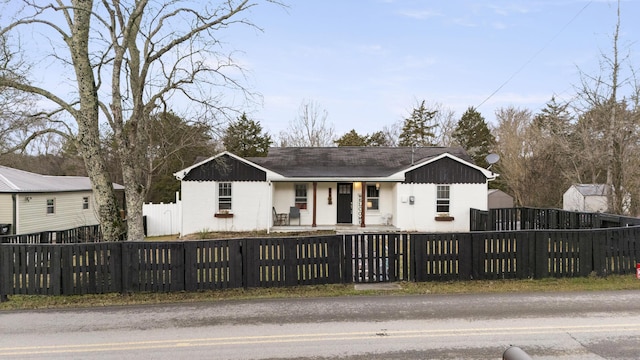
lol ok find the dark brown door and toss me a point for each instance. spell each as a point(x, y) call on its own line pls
point(345, 206)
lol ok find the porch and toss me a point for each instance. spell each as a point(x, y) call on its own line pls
point(339, 229)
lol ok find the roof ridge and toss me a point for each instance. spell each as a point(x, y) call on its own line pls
point(8, 182)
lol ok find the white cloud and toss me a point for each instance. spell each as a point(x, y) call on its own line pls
point(419, 14)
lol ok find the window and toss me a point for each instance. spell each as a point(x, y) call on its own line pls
point(373, 197)
point(51, 206)
point(224, 196)
point(442, 200)
point(301, 196)
point(85, 203)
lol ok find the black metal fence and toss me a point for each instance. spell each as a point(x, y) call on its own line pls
point(90, 268)
point(525, 218)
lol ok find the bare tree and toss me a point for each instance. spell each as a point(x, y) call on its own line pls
point(310, 128)
point(514, 148)
point(129, 61)
point(614, 125)
point(446, 124)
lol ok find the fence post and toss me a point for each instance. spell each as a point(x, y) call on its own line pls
point(419, 242)
point(586, 253)
point(465, 256)
point(5, 275)
point(541, 239)
point(599, 242)
point(128, 270)
point(56, 270)
point(290, 261)
point(347, 258)
point(178, 268)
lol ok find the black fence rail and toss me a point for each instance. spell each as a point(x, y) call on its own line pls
point(524, 218)
point(82, 234)
point(111, 267)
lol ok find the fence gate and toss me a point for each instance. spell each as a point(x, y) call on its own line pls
point(371, 258)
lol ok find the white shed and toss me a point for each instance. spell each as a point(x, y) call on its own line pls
point(586, 197)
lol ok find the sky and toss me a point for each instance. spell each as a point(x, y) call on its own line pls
point(368, 63)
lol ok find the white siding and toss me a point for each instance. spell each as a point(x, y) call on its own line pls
point(6, 209)
point(33, 217)
point(421, 215)
point(250, 203)
point(385, 206)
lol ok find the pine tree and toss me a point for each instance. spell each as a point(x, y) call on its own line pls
point(352, 138)
point(418, 129)
point(472, 133)
point(245, 138)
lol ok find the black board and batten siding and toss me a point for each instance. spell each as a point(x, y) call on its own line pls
point(225, 168)
point(445, 171)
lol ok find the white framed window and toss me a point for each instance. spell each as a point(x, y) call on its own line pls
point(301, 196)
point(443, 198)
point(85, 203)
point(373, 197)
point(51, 206)
point(224, 196)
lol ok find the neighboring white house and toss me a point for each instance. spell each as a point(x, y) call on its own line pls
point(586, 197)
point(32, 202)
point(412, 189)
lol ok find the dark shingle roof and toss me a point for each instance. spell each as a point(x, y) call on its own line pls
point(348, 161)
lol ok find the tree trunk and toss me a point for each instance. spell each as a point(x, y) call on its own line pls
point(88, 139)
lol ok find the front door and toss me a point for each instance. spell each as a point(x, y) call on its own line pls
point(345, 205)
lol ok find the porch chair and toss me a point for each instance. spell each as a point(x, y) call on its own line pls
point(279, 218)
point(294, 212)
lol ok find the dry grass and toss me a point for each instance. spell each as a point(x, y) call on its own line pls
point(610, 283)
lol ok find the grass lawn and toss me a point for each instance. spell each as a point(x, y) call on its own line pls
point(614, 282)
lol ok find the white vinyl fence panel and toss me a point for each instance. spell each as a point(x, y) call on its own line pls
point(162, 219)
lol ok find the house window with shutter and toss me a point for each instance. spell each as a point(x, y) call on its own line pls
point(443, 199)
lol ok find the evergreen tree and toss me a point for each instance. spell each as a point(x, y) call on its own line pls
point(245, 138)
point(174, 144)
point(378, 139)
point(472, 133)
point(418, 129)
point(352, 138)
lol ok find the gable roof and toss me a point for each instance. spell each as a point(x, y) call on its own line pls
point(591, 189)
point(19, 181)
point(349, 161)
point(221, 158)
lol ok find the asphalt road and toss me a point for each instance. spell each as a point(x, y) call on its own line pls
point(585, 325)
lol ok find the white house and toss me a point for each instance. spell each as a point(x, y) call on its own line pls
point(412, 189)
point(586, 197)
point(32, 202)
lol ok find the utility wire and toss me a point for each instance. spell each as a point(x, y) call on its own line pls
point(536, 54)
